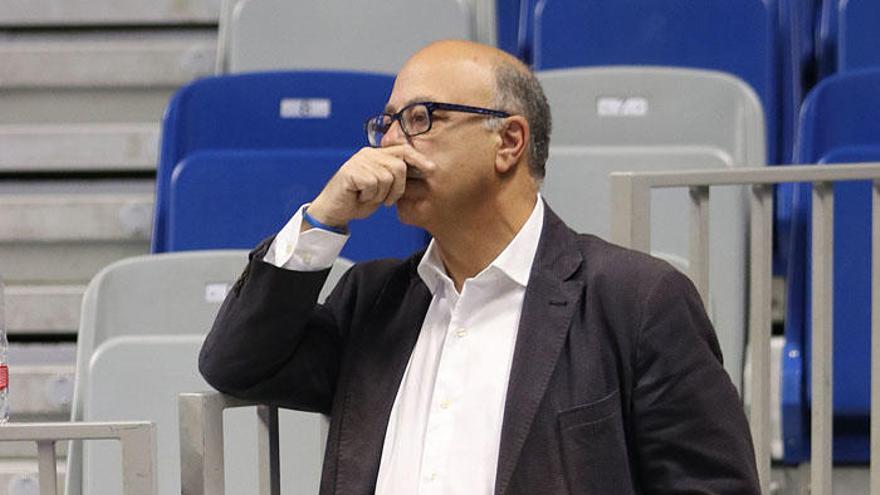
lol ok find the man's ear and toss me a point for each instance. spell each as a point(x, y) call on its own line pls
point(514, 136)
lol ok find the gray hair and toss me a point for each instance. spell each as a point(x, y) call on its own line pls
point(518, 91)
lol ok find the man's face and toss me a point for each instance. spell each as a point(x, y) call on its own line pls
point(460, 145)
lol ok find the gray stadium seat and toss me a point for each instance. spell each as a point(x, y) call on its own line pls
point(284, 34)
point(170, 297)
point(126, 384)
point(626, 118)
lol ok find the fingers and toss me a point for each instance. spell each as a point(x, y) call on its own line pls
point(418, 165)
point(371, 177)
point(397, 186)
point(378, 178)
point(384, 173)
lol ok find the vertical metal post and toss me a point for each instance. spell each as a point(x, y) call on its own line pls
point(47, 467)
point(139, 476)
point(267, 445)
point(630, 212)
point(201, 444)
point(698, 247)
point(875, 338)
point(760, 321)
point(823, 339)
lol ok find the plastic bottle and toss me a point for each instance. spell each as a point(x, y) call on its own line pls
point(4, 351)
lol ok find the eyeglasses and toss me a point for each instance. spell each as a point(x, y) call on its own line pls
point(416, 118)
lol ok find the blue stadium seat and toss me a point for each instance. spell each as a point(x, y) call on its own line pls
point(840, 123)
point(321, 113)
point(507, 25)
point(857, 42)
point(797, 25)
point(515, 20)
point(846, 36)
point(236, 198)
point(826, 38)
point(734, 36)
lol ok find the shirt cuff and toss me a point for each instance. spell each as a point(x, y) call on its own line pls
point(309, 251)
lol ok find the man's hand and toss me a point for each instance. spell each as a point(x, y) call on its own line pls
point(371, 177)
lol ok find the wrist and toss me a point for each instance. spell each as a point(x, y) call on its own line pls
point(317, 210)
point(320, 221)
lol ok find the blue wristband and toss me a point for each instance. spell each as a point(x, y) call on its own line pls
point(322, 226)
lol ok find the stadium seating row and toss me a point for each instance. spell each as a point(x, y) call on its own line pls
point(579, 89)
point(233, 168)
point(590, 143)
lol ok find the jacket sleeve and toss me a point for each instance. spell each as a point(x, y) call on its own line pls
point(273, 343)
point(691, 432)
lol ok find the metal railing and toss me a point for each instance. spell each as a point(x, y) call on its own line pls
point(630, 226)
point(201, 444)
point(138, 449)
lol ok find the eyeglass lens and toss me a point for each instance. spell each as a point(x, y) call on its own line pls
point(414, 120)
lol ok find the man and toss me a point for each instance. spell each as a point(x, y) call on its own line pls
point(513, 356)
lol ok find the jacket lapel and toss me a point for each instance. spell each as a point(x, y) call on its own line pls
point(380, 361)
point(550, 301)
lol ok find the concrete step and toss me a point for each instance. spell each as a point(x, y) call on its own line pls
point(19, 13)
point(79, 147)
point(106, 60)
point(43, 309)
point(40, 391)
point(101, 217)
point(63, 232)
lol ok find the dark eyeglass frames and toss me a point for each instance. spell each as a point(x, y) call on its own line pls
point(416, 118)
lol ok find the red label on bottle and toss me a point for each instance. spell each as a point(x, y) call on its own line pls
point(4, 376)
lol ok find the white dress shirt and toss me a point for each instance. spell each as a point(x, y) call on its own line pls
point(444, 430)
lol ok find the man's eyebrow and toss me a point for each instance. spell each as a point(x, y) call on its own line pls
point(389, 108)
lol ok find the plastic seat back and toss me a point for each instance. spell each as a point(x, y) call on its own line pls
point(265, 111)
point(171, 294)
point(174, 294)
point(127, 384)
point(734, 36)
point(359, 35)
point(235, 199)
point(857, 44)
point(635, 119)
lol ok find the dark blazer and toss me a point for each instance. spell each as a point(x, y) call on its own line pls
point(616, 386)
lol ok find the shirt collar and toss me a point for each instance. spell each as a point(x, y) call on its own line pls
point(515, 261)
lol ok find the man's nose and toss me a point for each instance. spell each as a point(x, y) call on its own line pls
point(394, 135)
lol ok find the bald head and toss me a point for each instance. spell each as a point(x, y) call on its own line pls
point(488, 76)
point(467, 53)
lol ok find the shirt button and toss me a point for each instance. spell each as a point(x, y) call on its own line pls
point(288, 248)
point(432, 477)
point(307, 258)
point(461, 332)
point(444, 404)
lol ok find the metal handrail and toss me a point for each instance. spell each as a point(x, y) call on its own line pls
point(138, 439)
point(201, 443)
point(631, 227)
